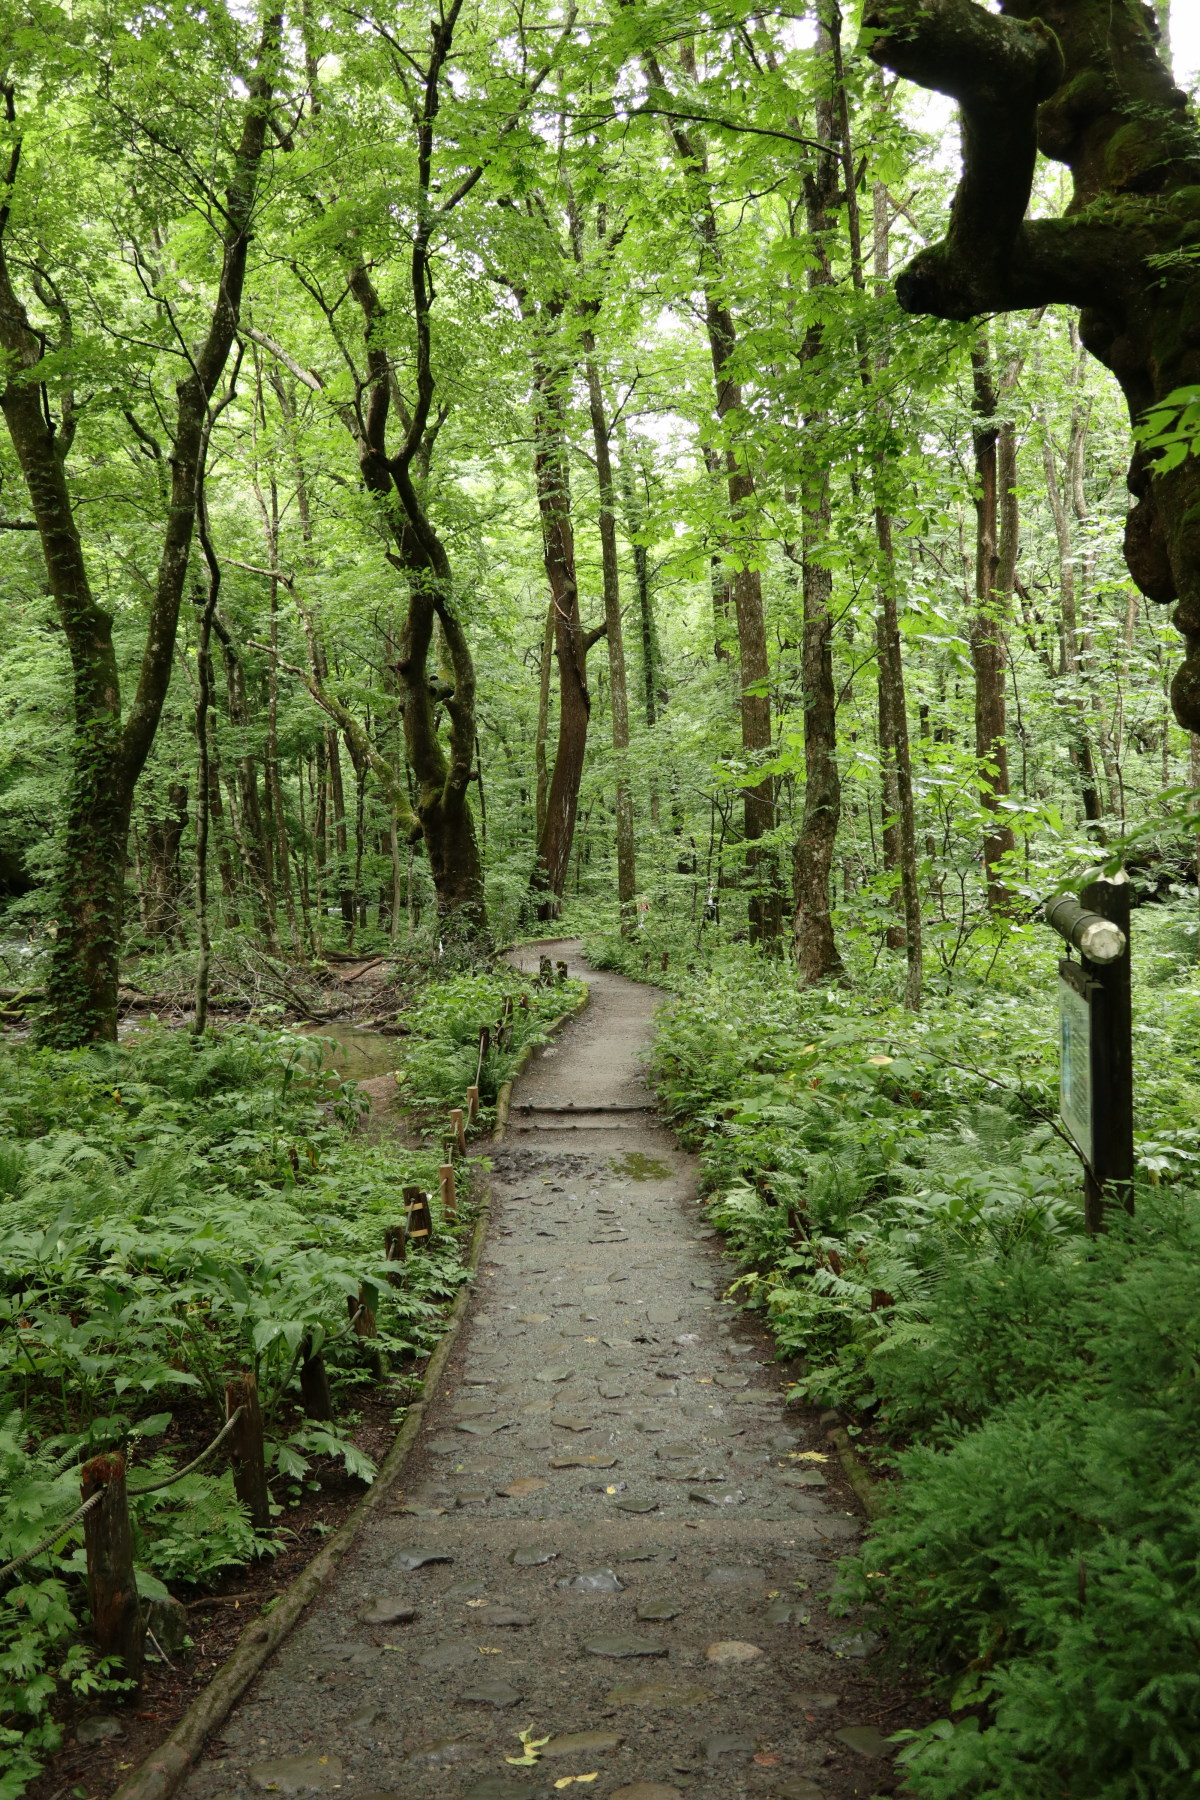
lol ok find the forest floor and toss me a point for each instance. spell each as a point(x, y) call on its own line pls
point(613, 1533)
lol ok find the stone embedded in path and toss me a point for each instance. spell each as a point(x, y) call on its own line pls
point(800, 1788)
point(530, 1556)
point(731, 1498)
point(313, 1774)
point(657, 1612)
point(592, 1581)
point(571, 1422)
point(475, 1409)
point(637, 1506)
point(555, 1374)
point(787, 1612)
point(583, 1462)
point(726, 1744)
point(447, 1751)
point(492, 1693)
point(583, 1743)
point(856, 1644)
point(484, 1427)
point(866, 1739)
point(732, 1381)
point(732, 1650)
point(389, 1609)
point(526, 1484)
point(662, 1315)
point(623, 1643)
point(657, 1696)
point(417, 1559)
point(735, 1575)
point(812, 1701)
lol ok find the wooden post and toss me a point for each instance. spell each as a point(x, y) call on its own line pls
point(458, 1130)
point(117, 1623)
point(449, 1201)
point(645, 961)
point(420, 1218)
point(366, 1329)
point(246, 1450)
point(1108, 1179)
point(314, 1384)
point(472, 1105)
point(666, 957)
point(395, 1247)
point(561, 968)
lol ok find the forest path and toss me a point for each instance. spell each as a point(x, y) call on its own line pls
point(609, 1530)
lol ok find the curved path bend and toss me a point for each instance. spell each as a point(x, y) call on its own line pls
point(611, 1529)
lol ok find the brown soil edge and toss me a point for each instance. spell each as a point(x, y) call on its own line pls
point(870, 1492)
point(166, 1767)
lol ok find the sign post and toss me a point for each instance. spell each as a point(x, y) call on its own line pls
point(1096, 1041)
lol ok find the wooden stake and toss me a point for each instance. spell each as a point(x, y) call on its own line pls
point(472, 1105)
point(545, 971)
point(366, 1329)
point(458, 1130)
point(314, 1384)
point(246, 1450)
point(395, 1247)
point(562, 972)
point(666, 957)
point(420, 1218)
point(117, 1623)
point(449, 1201)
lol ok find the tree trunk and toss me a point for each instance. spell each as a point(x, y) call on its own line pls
point(541, 767)
point(759, 808)
point(574, 702)
point(996, 545)
point(614, 632)
point(817, 955)
point(108, 755)
point(1074, 706)
point(163, 882)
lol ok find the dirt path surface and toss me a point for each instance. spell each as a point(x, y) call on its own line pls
point(612, 1531)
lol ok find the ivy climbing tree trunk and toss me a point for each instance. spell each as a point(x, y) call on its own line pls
point(108, 751)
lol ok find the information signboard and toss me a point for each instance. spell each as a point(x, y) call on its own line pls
point(1075, 1057)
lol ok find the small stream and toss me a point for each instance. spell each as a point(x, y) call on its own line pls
point(355, 1054)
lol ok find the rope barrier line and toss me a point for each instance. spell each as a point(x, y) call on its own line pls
point(59, 1531)
point(151, 1488)
point(169, 1480)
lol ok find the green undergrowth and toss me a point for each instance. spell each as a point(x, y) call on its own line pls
point(440, 1057)
point(908, 1221)
point(172, 1212)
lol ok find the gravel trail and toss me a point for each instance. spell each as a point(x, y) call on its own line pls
point(612, 1531)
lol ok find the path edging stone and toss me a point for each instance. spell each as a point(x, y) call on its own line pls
point(163, 1770)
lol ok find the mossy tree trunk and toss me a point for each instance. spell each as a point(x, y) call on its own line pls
point(1083, 81)
point(109, 751)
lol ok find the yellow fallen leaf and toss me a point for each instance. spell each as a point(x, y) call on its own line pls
point(486, 1650)
point(807, 1456)
point(881, 1062)
point(476, 1602)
